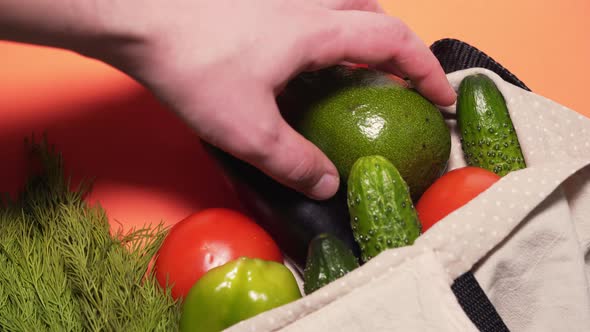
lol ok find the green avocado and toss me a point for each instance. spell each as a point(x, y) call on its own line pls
point(352, 112)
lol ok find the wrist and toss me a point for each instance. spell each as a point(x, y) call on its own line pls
point(95, 28)
point(110, 30)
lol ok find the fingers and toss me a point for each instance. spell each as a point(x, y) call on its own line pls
point(389, 67)
point(296, 162)
point(363, 37)
point(366, 5)
point(260, 136)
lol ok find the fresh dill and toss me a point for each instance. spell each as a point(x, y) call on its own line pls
point(62, 269)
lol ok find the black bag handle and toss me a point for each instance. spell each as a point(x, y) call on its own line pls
point(456, 55)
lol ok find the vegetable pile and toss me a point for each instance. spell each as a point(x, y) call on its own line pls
point(224, 268)
point(382, 212)
point(63, 269)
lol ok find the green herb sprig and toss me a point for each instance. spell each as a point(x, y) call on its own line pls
point(61, 268)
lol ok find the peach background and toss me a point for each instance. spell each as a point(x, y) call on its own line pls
point(546, 43)
point(148, 166)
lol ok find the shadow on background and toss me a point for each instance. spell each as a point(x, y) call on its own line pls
point(148, 165)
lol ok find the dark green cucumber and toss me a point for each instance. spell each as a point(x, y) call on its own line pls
point(381, 210)
point(327, 260)
point(488, 137)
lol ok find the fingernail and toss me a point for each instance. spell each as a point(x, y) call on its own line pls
point(326, 187)
point(450, 98)
point(453, 94)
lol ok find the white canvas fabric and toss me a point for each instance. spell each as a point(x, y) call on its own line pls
point(526, 239)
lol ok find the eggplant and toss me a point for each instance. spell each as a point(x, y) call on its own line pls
point(291, 218)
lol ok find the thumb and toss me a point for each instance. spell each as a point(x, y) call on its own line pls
point(298, 163)
point(261, 137)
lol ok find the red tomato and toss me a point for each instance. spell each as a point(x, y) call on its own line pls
point(451, 191)
point(208, 239)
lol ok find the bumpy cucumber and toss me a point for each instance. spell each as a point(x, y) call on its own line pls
point(328, 259)
point(381, 210)
point(488, 137)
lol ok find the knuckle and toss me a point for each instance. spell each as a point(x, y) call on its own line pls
point(398, 30)
point(424, 69)
point(360, 4)
point(321, 38)
point(349, 4)
point(303, 173)
point(258, 145)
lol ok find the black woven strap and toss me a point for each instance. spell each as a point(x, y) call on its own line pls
point(456, 55)
point(476, 304)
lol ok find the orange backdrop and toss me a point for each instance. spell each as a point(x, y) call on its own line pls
point(148, 166)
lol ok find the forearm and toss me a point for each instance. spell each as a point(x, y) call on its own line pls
point(83, 26)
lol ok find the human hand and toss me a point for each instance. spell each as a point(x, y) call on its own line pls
point(219, 64)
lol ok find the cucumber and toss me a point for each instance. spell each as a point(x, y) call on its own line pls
point(488, 137)
point(381, 211)
point(328, 259)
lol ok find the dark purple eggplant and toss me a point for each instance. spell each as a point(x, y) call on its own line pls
point(291, 218)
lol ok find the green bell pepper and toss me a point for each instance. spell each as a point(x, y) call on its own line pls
point(236, 291)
